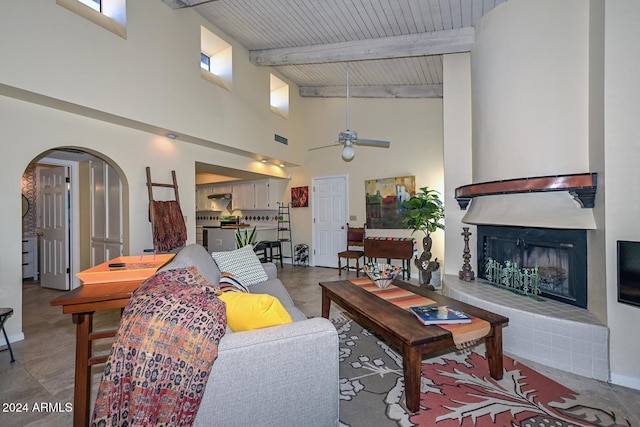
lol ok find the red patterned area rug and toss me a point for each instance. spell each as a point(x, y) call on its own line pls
point(456, 390)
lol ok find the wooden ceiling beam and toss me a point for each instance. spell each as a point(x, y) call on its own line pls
point(433, 43)
point(381, 91)
point(179, 4)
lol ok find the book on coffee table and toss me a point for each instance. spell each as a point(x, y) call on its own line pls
point(439, 315)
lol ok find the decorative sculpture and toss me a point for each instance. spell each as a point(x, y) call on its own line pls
point(466, 273)
point(424, 263)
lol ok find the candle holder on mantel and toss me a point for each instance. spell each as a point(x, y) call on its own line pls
point(466, 273)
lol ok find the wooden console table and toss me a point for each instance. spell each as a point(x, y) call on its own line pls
point(81, 303)
point(391, 248)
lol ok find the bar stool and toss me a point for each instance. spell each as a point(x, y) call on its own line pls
point(271, 244)
point(261, 251)
point(4, 315)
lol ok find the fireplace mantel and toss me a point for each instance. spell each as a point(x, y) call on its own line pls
point(581, 186)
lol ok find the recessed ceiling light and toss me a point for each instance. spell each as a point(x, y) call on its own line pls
point(171, 135)
point(281, 165)
point(264, 160)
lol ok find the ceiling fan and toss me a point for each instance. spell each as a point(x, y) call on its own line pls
point(350, 137)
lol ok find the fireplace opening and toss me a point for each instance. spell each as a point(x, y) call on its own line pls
point(559, 254)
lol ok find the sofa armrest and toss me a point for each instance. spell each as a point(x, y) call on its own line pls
point(271, 269)
point(282, 375)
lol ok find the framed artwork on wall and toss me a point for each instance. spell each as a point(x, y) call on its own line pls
point(300, 197)
point(384, 199)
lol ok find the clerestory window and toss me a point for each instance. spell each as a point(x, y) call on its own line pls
point(93, 4)
point(109, 14)
point(216, 59)
point(279, 97)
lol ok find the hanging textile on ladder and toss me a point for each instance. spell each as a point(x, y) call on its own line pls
point(167, 223)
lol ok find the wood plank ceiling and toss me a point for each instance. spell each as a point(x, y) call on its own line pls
point(395, 47)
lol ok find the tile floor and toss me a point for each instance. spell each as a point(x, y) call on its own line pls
point(43, 371)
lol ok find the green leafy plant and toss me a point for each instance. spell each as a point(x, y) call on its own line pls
point(245, 237)
point(425, 211)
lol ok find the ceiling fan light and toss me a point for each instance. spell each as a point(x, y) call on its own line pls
point(348, 152)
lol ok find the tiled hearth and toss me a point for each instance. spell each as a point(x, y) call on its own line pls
point(548, 332)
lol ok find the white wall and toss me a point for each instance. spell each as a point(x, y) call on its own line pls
point(530, 90)
point(53, 57)
point(539, 94)
point(414, 127)
point(152, 77)
point(622, 151)
point(458, 157)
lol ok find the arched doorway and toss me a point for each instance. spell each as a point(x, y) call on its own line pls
point(77, 214)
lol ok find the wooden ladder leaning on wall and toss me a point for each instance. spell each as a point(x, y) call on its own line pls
point(164, 226)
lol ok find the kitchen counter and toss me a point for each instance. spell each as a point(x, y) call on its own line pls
point(249, 227)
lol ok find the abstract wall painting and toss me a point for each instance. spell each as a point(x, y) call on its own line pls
point(300, 197)
point(384, 199)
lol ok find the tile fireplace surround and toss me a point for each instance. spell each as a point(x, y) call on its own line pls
point(548, 332)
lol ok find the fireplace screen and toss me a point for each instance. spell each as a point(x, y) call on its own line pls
point(560, 256)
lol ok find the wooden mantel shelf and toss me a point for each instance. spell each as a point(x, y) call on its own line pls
point(581, 186)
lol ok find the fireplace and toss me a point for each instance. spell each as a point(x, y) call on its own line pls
point(560, 254)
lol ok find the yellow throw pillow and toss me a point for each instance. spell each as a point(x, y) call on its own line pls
point(253, 311)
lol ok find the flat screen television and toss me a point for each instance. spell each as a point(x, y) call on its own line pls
point(629, 272)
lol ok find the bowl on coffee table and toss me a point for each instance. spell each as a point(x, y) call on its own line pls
point(381, 274)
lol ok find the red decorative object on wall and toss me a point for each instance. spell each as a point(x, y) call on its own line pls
point(300, 197)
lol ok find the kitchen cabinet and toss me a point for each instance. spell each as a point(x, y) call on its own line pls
point(262, 191)
point(202, 197)
point(237, 196)
point(221, 188)
point(256, 195)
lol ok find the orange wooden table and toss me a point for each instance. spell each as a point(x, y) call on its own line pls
point(82, 302)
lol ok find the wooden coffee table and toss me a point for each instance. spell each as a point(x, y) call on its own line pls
point(403, 331)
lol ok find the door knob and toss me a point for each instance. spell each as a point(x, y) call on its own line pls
point(342, 227)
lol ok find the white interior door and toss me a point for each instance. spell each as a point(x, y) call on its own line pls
point(107, 240)
point(54, 202)
point(329, 219)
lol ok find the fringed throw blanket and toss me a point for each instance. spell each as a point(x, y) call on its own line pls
point(169, 229)
point(464, 335)
point(163, 352)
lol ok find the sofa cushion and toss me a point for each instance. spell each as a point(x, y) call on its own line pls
point(242, 263)
point(197, 255)
point(275, 288)
point(253, 311)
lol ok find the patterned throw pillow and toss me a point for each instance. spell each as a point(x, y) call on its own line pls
point(242, 263)
point(230, 283)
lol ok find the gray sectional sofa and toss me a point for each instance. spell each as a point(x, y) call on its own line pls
point(284, 375)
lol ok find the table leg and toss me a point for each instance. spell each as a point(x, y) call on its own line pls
point(412, 366)
point(82, 387)
point(493, 343)
point(326, 304)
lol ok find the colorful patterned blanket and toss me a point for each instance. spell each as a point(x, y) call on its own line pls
point(169, 229)
point(163, 352)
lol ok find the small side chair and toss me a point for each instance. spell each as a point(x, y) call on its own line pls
point(355, 248)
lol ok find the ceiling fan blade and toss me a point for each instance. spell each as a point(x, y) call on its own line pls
point(373, 142)
point(335, 144)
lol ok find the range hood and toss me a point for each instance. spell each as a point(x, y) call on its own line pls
point(220, 196)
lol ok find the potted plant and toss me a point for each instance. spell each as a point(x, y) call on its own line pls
point(425, 212)
point(245, 237)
